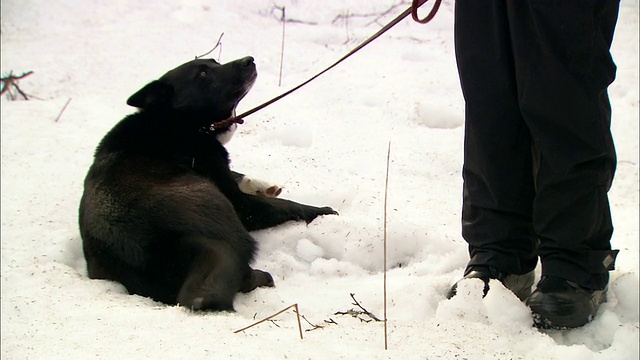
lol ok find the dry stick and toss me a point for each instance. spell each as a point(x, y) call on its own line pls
point(218, 43)
point(376, 15)
point(63, 109)
point(362, 311)
point(316, 327)
point(388, 11)
point(346, 27)
point(283, 19)
point(380, 14)
point(313, 326)
point(296, 21)
point(12, 80)
point(386, 191)
point(295, 306)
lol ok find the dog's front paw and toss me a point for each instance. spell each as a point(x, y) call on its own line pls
point(313, 212)
point(258, 278)
point(328, 211)
point(271, 191)
point(258, 187)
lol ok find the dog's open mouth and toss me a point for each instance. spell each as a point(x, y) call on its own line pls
point(248, 78)
point(248, 84)
point(233, 120)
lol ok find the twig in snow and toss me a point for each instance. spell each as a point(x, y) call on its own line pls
point(313, 326)
point(283, 20)
point(376, 15)
point(63, 109)
point(358, 313)
point(331, 321)
point(274, 323)
point(365, 311)
point(386, 191)
point(11, 81)
point(294, 306)
point(279, 17)
point(218, 44)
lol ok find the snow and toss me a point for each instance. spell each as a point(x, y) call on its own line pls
point(326, 144)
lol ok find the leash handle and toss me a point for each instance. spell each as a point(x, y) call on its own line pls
point(413, 10)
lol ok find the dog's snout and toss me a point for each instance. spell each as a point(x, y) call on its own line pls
point(246, 61)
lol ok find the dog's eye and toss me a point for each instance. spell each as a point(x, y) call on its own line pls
point(203, 73)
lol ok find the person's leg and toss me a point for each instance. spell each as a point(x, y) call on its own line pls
point(498, 176)
point(498, 172)
point(564, 67)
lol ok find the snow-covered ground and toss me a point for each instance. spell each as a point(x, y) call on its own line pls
point(326, 144)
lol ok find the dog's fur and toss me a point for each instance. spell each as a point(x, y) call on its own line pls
point(161, 211)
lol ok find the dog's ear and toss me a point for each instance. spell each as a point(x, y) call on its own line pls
point(153, 94)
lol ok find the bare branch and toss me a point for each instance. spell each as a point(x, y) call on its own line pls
point(283, 19)
point(294, 306)
point(218, 43)
point(11, 81)
point(63, 109)
point(375, 15)
point(384, 266)
point(366, 312)
point(358, 313)
point(331, 321)
point(296, 21)
point(313, 326)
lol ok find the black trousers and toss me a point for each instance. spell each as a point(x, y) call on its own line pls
point(539, 158)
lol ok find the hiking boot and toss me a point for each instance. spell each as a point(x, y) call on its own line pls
point(520, 285)
point(561, 304)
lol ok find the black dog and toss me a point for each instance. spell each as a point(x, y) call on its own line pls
point(161, 211)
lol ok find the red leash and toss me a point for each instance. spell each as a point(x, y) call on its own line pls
point(413, 10)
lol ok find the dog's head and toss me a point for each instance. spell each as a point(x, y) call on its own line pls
point(203, 88)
